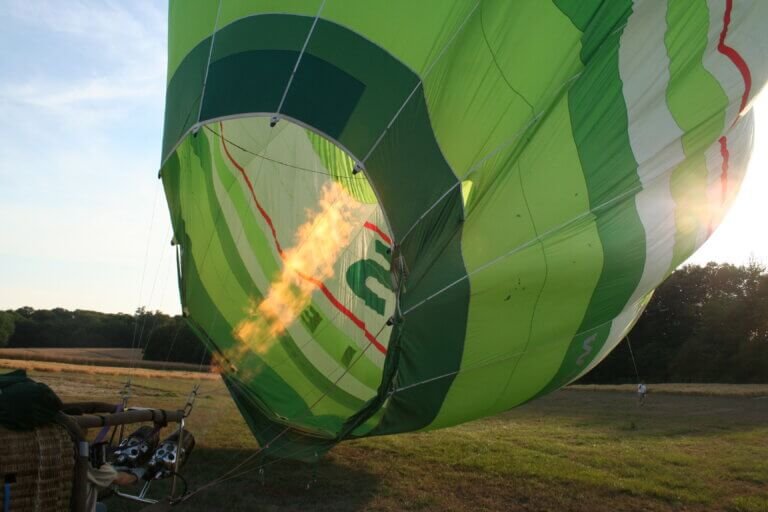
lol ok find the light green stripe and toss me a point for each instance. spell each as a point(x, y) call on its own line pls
point(574, 255)
point(512, 202)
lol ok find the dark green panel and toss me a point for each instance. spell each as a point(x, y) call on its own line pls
point(182, 97)
point(580, 12)
point(261, 32)
point(410, 174)
point(387, 82)
point(322, 96)
point(270, 32)
point(605, 27)
point(432, 344)
point(251, 81)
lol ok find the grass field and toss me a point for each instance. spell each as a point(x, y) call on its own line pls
point(582, 449)
point(94, 369)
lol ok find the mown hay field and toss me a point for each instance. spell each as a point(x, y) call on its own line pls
point(98, 358)
point(579, 449)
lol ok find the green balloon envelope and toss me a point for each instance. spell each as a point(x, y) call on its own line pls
point(531, 171)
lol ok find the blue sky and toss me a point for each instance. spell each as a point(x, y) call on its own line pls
point(83, 222)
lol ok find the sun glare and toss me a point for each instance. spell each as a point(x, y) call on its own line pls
point(741, 236)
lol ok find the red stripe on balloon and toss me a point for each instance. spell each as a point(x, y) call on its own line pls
point(726, 155)
point(376, 229)
point(735, 57)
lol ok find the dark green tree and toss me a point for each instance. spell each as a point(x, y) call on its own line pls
point(704, 324)
point(7, 326)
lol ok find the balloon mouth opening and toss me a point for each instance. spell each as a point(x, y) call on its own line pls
point(322, 230)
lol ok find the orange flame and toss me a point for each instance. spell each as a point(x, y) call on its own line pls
point(319, 243)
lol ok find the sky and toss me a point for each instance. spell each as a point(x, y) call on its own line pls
point(83, 220)
point(82, 92)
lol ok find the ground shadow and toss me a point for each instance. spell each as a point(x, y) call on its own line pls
point(269, 484)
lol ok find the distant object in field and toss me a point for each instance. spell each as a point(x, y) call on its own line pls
point(398, 216)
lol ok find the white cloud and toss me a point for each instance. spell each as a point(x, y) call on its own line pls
point(124, 52)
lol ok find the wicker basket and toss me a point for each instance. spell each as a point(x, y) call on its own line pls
point(42, 462)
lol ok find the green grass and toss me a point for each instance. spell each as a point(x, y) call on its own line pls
point(589, 450)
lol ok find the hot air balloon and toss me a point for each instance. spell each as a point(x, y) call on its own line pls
point(394, 216)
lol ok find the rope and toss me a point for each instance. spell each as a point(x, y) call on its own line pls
point(634, 363)
point(126, 387)
point(144, 266)
point(149, 303)
point(173, 343)
point(279, 162)
point(298, 60)
point(191, 400)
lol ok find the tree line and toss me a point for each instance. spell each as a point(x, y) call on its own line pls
point(161, 337)
point(704, 324)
